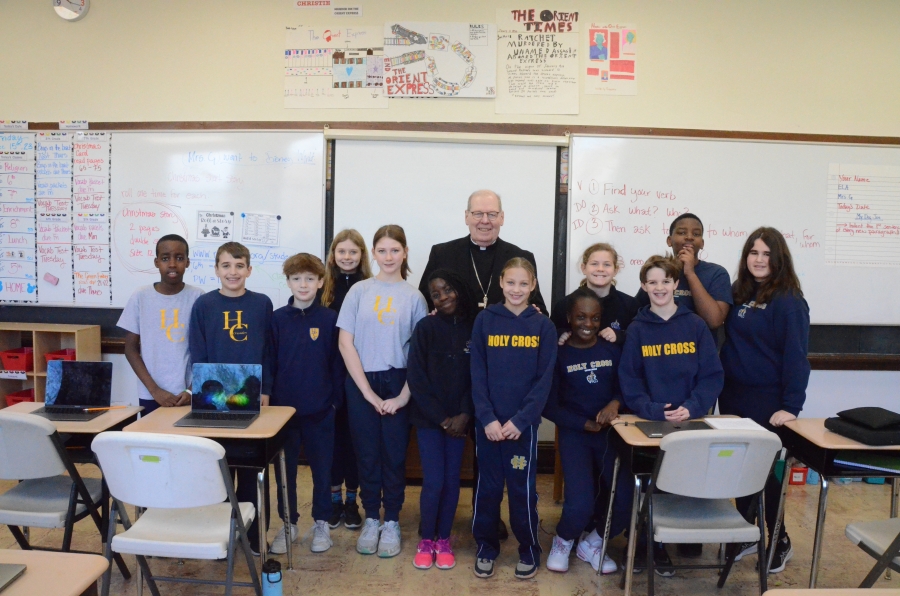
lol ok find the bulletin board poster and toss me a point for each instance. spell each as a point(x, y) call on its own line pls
point(334, 67)
point(537, 57)
point(611, 60)
point(440, 60)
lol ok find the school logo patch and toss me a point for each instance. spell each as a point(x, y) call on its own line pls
point(518, 462)
point(314, 333)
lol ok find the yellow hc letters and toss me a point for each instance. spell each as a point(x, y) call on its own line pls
point(383, 311)
point(235, 328)
point(175, 326)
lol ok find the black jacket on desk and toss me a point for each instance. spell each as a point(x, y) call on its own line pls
point(227, 330)
point(307, 367)
point(438, 370)
point(616, 312)
point(456, 255)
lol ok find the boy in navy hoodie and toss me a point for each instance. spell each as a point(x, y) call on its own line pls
point(231, 326)
point(307, 375)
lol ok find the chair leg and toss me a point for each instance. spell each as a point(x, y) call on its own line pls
point(730, 554)
point(651, 564)
point(893, 550)
point(20, 538)
point(761, 556)
point(70, 518)
point(229, 574)
point(145, 569)
point(107, 549)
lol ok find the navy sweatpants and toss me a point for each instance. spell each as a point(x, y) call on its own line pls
point(581, 453)
point(515, 464)
point(380, 443)
point(317, 439)
point(441, 457)
point(343, 463)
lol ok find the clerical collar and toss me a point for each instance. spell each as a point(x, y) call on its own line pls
point(482, 247)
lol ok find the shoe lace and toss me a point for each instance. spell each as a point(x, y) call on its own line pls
point(425, 546)
point(444, 546)
point(390, 532)
point(559, 547)
point(371, 527)
point(319, 531)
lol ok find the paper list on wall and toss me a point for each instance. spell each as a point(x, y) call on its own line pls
point(91, 216)
point(17, 223)
point(537, 62)
point(862, 219)
point(260, 228)
point(611, 60)
point(54, 217)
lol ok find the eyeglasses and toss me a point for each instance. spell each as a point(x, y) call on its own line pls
point(491, 215)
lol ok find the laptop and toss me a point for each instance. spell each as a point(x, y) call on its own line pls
point(224, 396)
point(74, 387)
point(10, 572)
point(659, 429)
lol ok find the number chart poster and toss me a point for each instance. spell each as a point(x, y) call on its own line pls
point(611, 60)
point(440, 60)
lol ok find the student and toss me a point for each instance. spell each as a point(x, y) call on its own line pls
point(513, 357)
point(703, 287)
point(157, 319)
point(764, 357)
point(600, 264)
point(307, 372)
point(670, 369)
point(376, 322)
point(441, 386)
point(583, 403)
point(348, 263)
point(231, 325)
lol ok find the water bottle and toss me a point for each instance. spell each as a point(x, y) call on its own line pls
point(271, 578)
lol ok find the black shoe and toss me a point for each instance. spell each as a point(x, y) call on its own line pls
point(484, 568)
point(745, 550)
point(526, 570)
point(502, 532)
point(337, 512)
point(690, 551)
point(661, 559)
point(352, 519)
point(783, 553)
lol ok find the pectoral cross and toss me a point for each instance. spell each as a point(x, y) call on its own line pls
point(483, 304)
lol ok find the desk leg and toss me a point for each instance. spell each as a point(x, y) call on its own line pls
point(609, 510)
point(261, 514)
point(895, 501)
point(287, 513)
point(632, 536)
point(820, 526)
point(779, 514)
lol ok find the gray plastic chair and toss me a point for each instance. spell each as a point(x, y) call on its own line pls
point(700, 472)
point(880, 540)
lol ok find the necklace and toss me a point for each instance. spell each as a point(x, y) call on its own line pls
point(484, 291)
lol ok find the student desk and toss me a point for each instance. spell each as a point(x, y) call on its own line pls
point(59, 574)
point(253, 447)
point(807, 440)
point(835, 592)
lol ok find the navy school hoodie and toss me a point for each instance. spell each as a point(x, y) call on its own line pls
point(439, 370)
point(513, 358)
point(586, 380)
point(765, 357)
point(673, 361)
point(307, 368)
point(617, 310)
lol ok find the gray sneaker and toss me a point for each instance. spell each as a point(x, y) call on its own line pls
point(279, 545)
point(321, 537)
point(389, 544)
point(367, 543)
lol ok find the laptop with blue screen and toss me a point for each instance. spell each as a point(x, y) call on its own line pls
point(224, 396)
point(74, 388)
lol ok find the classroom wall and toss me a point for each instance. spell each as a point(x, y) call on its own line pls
point(806, 66)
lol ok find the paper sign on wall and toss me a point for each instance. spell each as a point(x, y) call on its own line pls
point(611, 60)
point(215, 226)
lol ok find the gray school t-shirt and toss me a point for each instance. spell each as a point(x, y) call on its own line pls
point(162, 322)
point(381, 316)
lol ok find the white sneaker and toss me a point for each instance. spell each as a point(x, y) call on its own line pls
point(321, 539)
point(389, 544)
point(559, 555)
point(367, 543)
point(279, 545)
point(589, 551)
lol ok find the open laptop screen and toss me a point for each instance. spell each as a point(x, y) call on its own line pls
point(226, 387)
point(75, 383)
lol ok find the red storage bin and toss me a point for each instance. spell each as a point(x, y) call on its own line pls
point(798, 475)
point(19, 396)
point(67, 354)
point(18, 359)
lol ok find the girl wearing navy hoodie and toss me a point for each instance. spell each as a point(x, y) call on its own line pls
point(764, 356)
point(513, 358)
point(440, 383)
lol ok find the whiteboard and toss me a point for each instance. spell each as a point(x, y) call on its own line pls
point(424, 187)
point(264, 189)
point(627, 190)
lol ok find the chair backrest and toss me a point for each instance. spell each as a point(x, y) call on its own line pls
point(26, 450)
point(159, 470)
point(717, 464)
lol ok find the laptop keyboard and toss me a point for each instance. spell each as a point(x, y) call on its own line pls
point(221, 415)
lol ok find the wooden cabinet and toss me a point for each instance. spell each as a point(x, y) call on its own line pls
point(44, 338)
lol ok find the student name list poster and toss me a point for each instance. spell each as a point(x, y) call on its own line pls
point(440, 60)
point(334, 67)
point(611, 60)
point(537, 53)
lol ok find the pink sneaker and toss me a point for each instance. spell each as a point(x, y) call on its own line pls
point(444, 558)
point(424, 555)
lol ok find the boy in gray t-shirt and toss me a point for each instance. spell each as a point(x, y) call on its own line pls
point(156, 319)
